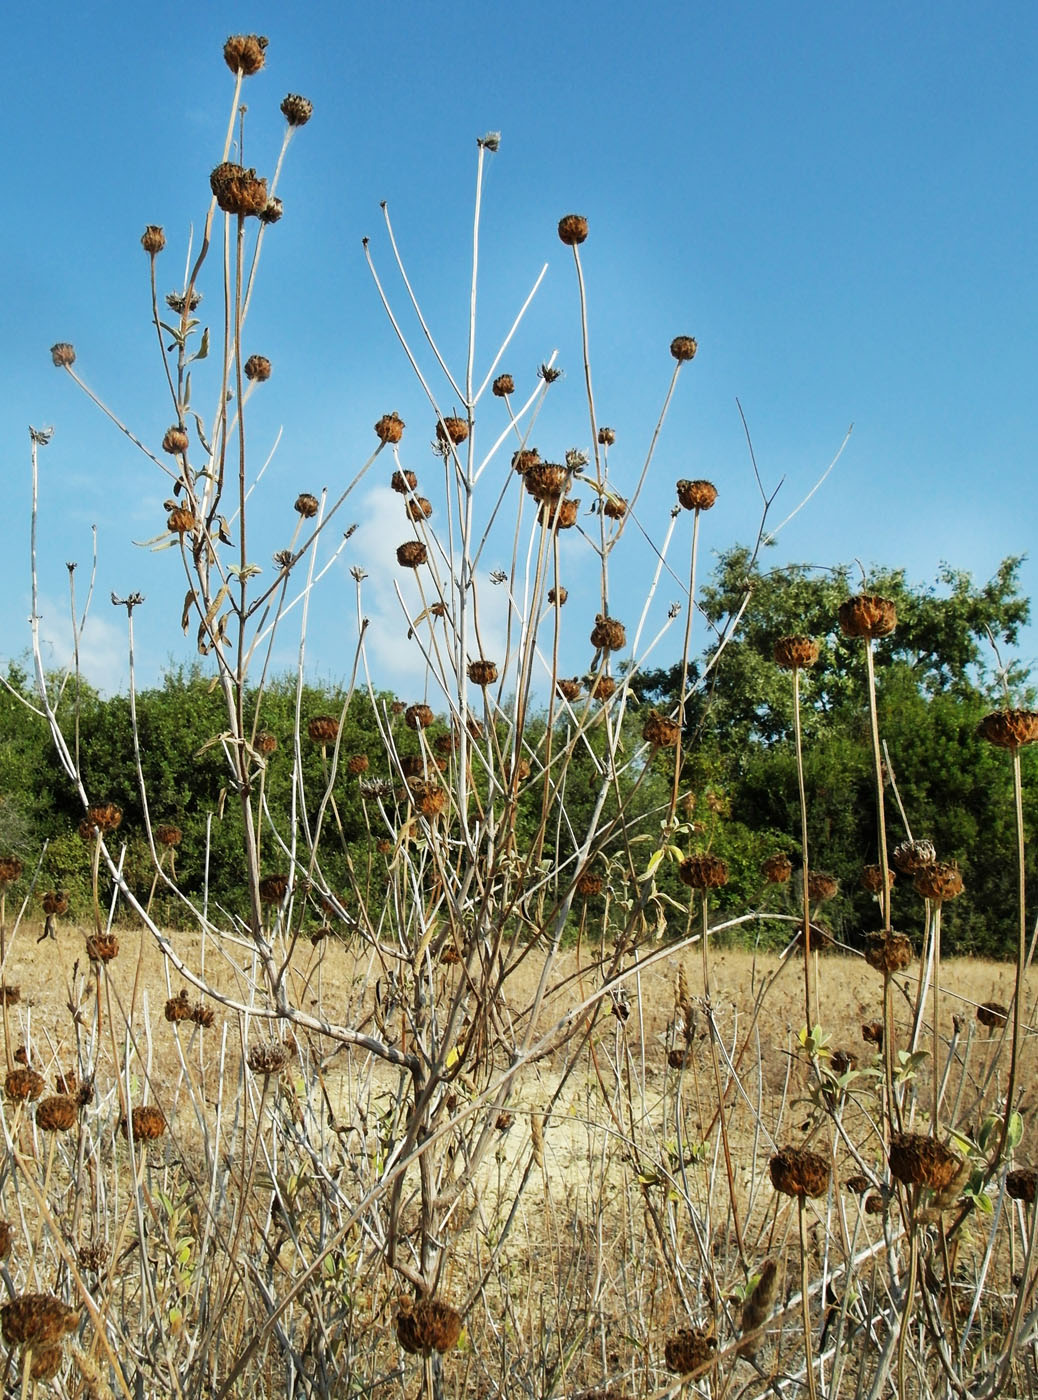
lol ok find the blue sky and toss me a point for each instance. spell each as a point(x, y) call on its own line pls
point(837, 200)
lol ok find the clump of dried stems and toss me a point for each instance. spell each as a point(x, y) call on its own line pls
point(481, 1173)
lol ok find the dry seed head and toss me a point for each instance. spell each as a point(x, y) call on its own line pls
point(178, 1008)
point(67, 1083)
point(245, 53)
point(429, 798)
point(180, 521)
point(568, 689)
point(452, 429)
point(55, 902)
point(268, 1057)
point(558, 514)
point(36, 1320)
point(237, 190)
point(777, 869)
point(266, 743)
point(992, 1013)
point(273, 888)
point(794, 653)
point(797, 1172)
point(572, 229)
point(358, 763)
point(758, 1304)
point(46, 1362)
point(696, 495)
point(92, 1257)
point(919, 1160)
point(257, 367)
point(602, 687)
point(202, 1015)
point(418, 716)
point(842, 1061)
point(390, 428)
point(412, 554)
point(608, 634)
point(589, 884)
point(524, 459)
point(872, 878)
point(614, 507)
point(606, 437)
point(323, 729)
point(557, 595)
point(858, 1184)
point(1022, 1184)
point(703, 871)
point(181, 302)
point(661, 731)
point(872, 1033)
point(867, 615)
point(875, 1204)
point(63, 355)
point(482, 672)
point(10, 994)
point(418, 509)
point(427, 1325)
point(296, 110)
point(176, 440)
point(271, 211)
point(56, 1114)
point(153, 240)
point(503, 385)
point(683, 347)
point(546, 480)
point(24, 1084)
point(1010, 729)
point(168, 835)
point(690, 1350)
point(912, 856)
point(821, 886)
point(942, 880)
point(147, 1123)
point(10, 869)
point(102, 947)
point(402, 482)
point(306, 505)
point(888, 952)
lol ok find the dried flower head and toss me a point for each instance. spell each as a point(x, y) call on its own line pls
point(589, 884)
point(271, 211)
point(843, 1060)
point(524, 459)
point(912, 856)
point(661, 731)
point(426, 1325)
point(568, 689)
point(942, 880)
point(358, 763)
point(296, 110)
point(202, 1015)
point(546, 481)
point(557, 513)
point(428, 798)
point(266, 743)
point(390, 428)
point(482, 672)
point(503, 385)
point(56, 1114)
point(168, 835)
point(412, 554)
point(557, 595)
point(608, 634)
point(180, 521)
point(55, 902)
point(821, 886)
point(268, 1057)
point(606, 437)
point(176, 440)
point(794, 653)
point(418, 716)
point(63, 354)
point(992, 1013)
point(153, 240)
point(696, 495)
point(797, 1172)
point(573, 229)
point(703, 871)
point(683, 347)
point(1022, 1184)
point(93, 1256)
point(1010, 729)
point(24, 1084)
point(237, 190)
point(419, 508)
point(777, 869)
point(452, 429)
point(273, 888)
point(867, 615)
point(323, 729)
point(690, 1350)
point(919, 1160)
point(306, 505)
point(614, 507)
point(147, 1123)
point(872, 1033)
point(872, 878)
point(602, 687)
point(258, 368)
point(859, 1184)
point(181, 302)
point(10, 870)
point(36, 1320)
point(888, 952)
point(245, 53)
point(178, 1008)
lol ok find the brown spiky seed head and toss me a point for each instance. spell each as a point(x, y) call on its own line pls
point(10, 869)
point(273, 888)
point(268, 1057)
point(797, 1172)
point(271, 211)
point(992, 1013)
point(858, 1184)
point(942, 880)
point(92, 1257)
point(696, 495)
point(872, 878)
point(1022, 1184)
point(266, 743)
point(419, 508)
point(557, 513)
point(403, 482)
point(147, 1123)
point(63, 355)
point(589, 884)
point(777, 869)
point(245, 53)
point(36, 1320)
point(67, 1083)
point(358, 763)
point(842, 1061)
point(558, 595)
point(568, 689)
point(176, 440)
point(418, 716)
point(917, 1159)
point(178, 1008)
point(181, 301)
point(153, 239)
point(482, 672)
point(24, 1084)
point(912, 856)
point(180, 521)
point(573, 229)
point(452, 429)
point(427, 1325)
point(56, 1114)
point(606, 436)
point(690, 1350)
point(608, 634)
point(46, 1362)
point(296, 110)
point(872, 1033)
point(683, 347)
point(703, 871)
point(412, 554)
point(55, 902)
point(794, 653)
point(203, 1015)
point(258, 368)
point(822, 886)
point(306, 505)
point(546, 480)
point(390, 428)
point(602, 687)
point(428, 798)
point(168, 835)
point(661, 731)
point(867, 615)
point(524, 459)
point(323, 729)
point(1010, 729)
point(614, 507)
point(875, 1204)
point(503, 385)
point(102, 947)
point(237, 190)
point(888, 951)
